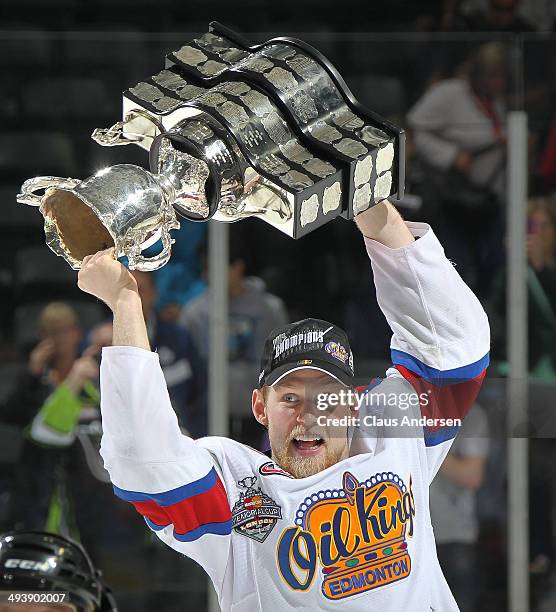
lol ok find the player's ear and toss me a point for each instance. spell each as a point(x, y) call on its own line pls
point(258, 405)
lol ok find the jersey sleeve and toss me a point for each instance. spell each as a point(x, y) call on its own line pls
point(171, 480)
point(441, 336)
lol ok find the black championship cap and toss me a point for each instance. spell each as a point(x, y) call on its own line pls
point(310, 343)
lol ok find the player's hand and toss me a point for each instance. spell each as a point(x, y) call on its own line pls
point(105, 278)
point(84, 369)
point(383, 223)
point(40, 356)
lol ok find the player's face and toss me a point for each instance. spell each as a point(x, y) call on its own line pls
point(306, 434)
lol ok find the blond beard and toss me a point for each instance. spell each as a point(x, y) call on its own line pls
point(301, 467)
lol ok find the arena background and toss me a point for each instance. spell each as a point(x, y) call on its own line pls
point(64, 66)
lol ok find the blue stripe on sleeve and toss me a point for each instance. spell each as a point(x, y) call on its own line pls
point(224, 528)
point(168, 498)
point(439, 377)
point(154, 526)
point(433, 438)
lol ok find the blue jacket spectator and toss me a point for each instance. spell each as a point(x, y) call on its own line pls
point(180, 279)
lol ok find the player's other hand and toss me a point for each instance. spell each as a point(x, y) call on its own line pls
point(106, 278)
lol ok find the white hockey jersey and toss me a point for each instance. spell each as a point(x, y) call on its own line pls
point(356, 536)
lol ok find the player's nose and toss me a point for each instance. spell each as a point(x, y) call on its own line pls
point(307, 414)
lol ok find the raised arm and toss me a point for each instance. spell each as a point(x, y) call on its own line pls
point(171, 480)
point(440, 329)
point(441, 337)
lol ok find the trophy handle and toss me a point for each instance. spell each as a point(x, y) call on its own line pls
point(28, 196)
point(276, 211)
point(116, 136)
point(136, 261)
point(55, 244)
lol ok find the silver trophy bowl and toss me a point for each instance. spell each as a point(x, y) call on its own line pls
point(124, 207)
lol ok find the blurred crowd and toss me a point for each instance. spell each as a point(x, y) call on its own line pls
point(450, 81)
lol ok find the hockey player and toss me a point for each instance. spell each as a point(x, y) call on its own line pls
point(337, 518)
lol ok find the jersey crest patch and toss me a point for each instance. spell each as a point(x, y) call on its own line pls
point(254, 514)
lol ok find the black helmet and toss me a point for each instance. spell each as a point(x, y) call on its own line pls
point(41, 561)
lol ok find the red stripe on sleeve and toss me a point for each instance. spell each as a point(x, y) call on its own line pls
point(449, 402)
point(153, 512)
point(209, 507)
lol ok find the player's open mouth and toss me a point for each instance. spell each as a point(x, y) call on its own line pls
point(307, 444)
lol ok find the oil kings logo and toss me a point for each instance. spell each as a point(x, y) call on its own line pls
point(357, 534)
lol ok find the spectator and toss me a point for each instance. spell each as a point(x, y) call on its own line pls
point(57, 374)
point(253, 313)
point(541, 303)
point(453, 511)
point(52, 486)
point(179, 359)
point(541, 282)
point(458, 133)
point(180, 279)
point(548, 159)
point(497, 16)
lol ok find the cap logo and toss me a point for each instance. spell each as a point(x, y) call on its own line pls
point(305, 362)
point(337, 351)
point(300, 341)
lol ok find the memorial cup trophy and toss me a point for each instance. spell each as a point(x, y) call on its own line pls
point(233, 131)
